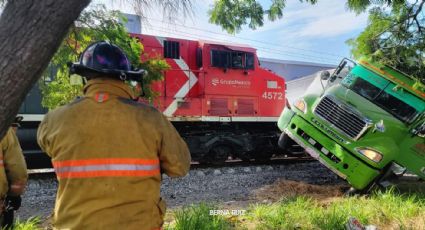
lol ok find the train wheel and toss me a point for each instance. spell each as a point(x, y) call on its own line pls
point(262, 156)
point(245, 157)
point(219, 154)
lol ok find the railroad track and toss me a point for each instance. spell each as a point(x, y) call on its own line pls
point(237, 162)
point(197, 165)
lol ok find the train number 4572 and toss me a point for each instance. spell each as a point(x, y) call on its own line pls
point(273, 95)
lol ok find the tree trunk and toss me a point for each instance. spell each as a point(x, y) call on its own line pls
point(30, 33)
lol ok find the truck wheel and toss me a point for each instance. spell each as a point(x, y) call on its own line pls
point(351, 192)
point(356, 192)
point(283, 141)
point(290, 147)
point(374, 186)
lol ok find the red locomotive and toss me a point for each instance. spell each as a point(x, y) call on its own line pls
point(218, 97)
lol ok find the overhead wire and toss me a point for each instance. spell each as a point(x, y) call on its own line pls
point(260, 48)
point(263, 49)
point(253, 40)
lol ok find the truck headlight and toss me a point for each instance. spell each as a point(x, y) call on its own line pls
point(371, 154)
point(301, 105)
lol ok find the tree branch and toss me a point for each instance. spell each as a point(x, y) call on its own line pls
point(30, 33)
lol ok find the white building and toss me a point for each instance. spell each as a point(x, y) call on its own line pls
point(298, 75)
point(291, 70)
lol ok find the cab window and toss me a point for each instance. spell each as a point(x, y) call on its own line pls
point(249, 61)
point(232, 59)
point(171, 49)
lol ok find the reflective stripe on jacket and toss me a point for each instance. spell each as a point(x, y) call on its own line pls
point(108, 153)
point(13, 169)
point(106, 168)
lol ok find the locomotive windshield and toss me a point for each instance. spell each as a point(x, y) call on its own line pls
point(232, 59)
point(396, 101)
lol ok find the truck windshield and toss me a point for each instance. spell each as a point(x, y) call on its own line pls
point(396, 101)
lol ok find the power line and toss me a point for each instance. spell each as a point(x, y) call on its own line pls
point(185, 34)
point(249, 39)
point(263, 49)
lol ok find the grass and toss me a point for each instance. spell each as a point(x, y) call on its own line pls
point(30, 224)
point(198, 217)
point(386, 210)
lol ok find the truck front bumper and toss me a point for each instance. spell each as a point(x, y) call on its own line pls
point(329, 153)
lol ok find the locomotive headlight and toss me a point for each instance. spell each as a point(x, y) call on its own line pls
point(301, 105)
point(371, 154)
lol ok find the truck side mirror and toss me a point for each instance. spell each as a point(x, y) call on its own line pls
point(325, 75)
point(338, 70)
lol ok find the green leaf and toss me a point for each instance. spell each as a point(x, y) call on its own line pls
point(393, 37)
point(94, 25)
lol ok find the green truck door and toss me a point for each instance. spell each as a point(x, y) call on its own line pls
point(413, 158)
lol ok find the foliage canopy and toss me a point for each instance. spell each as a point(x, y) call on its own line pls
point(95, 24)
point(395, 37)
point(395, 34)
point(231, 15)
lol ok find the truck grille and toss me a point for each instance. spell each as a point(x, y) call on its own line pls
point(341, 117)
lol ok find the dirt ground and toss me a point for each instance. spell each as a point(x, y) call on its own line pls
point(233, 188)
point(227, 185)
point(286, 188)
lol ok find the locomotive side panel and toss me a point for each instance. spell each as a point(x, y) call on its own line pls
point(179, 88)
point(271, 92)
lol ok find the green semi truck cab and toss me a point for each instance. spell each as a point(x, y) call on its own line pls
point(367, 120)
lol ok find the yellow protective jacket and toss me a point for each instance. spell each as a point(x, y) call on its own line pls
point(108, 153)
point(13, 169)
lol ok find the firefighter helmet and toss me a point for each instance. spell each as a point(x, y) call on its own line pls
point(103, 59)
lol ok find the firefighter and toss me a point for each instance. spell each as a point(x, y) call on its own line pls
point(109, 151)
point(13, 175)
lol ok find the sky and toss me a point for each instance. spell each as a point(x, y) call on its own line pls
point(312, 33)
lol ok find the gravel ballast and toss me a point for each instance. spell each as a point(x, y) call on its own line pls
point(218, 185)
